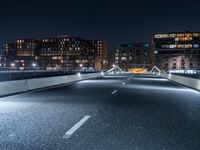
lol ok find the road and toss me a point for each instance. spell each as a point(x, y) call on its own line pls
point(121, 112)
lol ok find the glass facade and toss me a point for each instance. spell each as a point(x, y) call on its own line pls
point(177, 50)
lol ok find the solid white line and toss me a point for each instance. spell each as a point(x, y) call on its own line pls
point(115, 91)
point(69, 133)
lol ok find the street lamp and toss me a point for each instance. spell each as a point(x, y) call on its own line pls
point(34, 64)
point(114, 65)
point(81, 67)
point(12, 64)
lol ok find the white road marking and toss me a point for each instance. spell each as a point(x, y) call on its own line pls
point(11, 135)
point(115, 91)
point(69, 133)
point(123, 83)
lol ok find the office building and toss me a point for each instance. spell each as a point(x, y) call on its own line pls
point(27, 52)
point(9, 54)
point(133, 55)
point(58, 53)
point(69, 53)
point(179, 50)
point(102, 52)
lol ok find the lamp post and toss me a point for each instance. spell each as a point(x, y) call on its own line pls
point(12, 65)
point(81, 67)
point(34, 65)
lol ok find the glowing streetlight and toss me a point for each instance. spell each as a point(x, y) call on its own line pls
point(34, 64)
point(79, 74)
point(81, 65)
point(12, 64)
point(114, 65)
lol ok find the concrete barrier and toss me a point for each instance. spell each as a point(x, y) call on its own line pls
point(44, 82)
point(13, 87)
point(10, 87)
point(189, 82)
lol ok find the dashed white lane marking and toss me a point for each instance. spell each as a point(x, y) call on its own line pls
point(69, 133)
point(115, 91)
point(11, 135)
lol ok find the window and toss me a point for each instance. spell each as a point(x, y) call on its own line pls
point(196, 45)
point(196, 34)
point(123, 58)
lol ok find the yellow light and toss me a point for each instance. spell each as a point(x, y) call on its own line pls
point(137, 70)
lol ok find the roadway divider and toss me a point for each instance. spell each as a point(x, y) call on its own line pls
point(19, 86)
point(189, 82)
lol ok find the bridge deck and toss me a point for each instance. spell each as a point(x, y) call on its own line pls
point(118, 112)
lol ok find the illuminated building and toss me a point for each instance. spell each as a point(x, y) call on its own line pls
point(177, 50)
point(102, 51)
point(1, 62)
point(9, 54)
point(27, 47)
point(69, 53)
point(58, 53)
point(27, 52)
point(133, 55)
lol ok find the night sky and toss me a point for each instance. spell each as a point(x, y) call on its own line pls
point(112, 20)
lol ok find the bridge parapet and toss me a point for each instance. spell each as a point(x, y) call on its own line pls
point(115, 70)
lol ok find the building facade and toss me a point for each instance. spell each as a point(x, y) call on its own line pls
point(27, 53)
point(102, 52)
point(9, 54)
point(133, 55)
point(179, 50)
point(2, 62)
point(68, 53)
point(57, 53)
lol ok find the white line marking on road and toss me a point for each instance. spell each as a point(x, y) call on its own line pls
point(11, 135)
point(115, 91)
point(123, 83)
point(69, 133)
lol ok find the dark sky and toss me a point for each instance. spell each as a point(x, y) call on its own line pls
point(112, 20)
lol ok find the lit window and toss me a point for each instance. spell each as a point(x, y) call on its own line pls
point(124, 58)
point(196, 45)
point(196, 34)
point(172, 46)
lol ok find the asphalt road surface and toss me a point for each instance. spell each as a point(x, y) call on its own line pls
point(122, 112)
